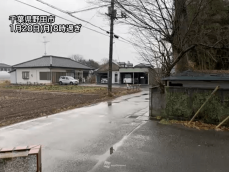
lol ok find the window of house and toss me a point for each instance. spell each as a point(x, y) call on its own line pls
point(25, 75)
point(45, 76)
point(116, 77)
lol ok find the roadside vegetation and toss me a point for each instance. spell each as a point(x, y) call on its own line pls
point(199, 125)
point(61, 88)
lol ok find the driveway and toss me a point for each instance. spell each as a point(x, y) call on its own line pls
point(79, 139)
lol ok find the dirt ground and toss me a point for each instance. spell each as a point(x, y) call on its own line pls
point(18, 105)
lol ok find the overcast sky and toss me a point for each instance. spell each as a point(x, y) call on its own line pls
point(19, 47)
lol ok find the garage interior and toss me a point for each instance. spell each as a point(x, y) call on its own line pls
point(139, 77)
point(101, 76)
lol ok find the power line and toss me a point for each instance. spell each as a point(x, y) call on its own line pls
point(60, 17)
point(88, 9)
point(126, 41)
point(92, 16)
point(85, 25)
point(69, 13)
point(81, 19)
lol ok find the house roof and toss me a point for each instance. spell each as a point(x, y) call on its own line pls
point(143, 65)
point(128, 64)
point(4, 65)
point(105, 67)
point(12, 71)
point(211, 75)
point(56, 61)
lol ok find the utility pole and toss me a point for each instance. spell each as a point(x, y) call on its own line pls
point(112, 14)
point(45, 42)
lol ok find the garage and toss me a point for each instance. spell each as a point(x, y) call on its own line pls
point(134, 77)
point(102, 78)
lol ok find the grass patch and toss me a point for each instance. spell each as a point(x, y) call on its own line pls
point(4, 83)
point(56, 88)
point(199, 125)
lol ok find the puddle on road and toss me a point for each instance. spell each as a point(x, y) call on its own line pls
point(114, 148)
point(109, 103)
point(133, 116)
point(111, 150)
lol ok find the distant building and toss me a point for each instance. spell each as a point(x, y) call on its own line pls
point(47, 70)
point(5, 67)
point(126, 73)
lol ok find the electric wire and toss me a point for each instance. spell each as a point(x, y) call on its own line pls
point(125, 40)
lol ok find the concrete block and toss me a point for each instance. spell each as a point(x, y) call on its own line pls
point(26, 159)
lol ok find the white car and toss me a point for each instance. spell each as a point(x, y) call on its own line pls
point(68, 80)
point(127, 79)
point(104, 80)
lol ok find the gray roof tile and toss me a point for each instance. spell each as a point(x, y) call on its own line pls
point(143, 65)
point(198, 76)
point(44, 61)
point(4, 65)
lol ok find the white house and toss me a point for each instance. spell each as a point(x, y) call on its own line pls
point(47, 70)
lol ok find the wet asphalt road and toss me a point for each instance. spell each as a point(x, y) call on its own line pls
point(79, 140)
point(156, 147)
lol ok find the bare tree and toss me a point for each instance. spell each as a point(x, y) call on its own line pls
point(165, 31)
point(104, 61)
point(77, 57)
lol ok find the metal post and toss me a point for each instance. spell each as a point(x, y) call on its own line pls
point(111, 48)
point(45, 42)
point(50, 75)
point(133, 78)
point(213, 93)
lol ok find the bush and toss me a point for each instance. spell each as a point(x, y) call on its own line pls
point(179, 105)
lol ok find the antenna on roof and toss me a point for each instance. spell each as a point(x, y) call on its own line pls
point(45, 42)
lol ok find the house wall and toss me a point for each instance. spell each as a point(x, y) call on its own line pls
point(34, 75)
point(13, 79)
point(113, 77)
point(131, 69)
point(203, 84)
point(58, 70)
